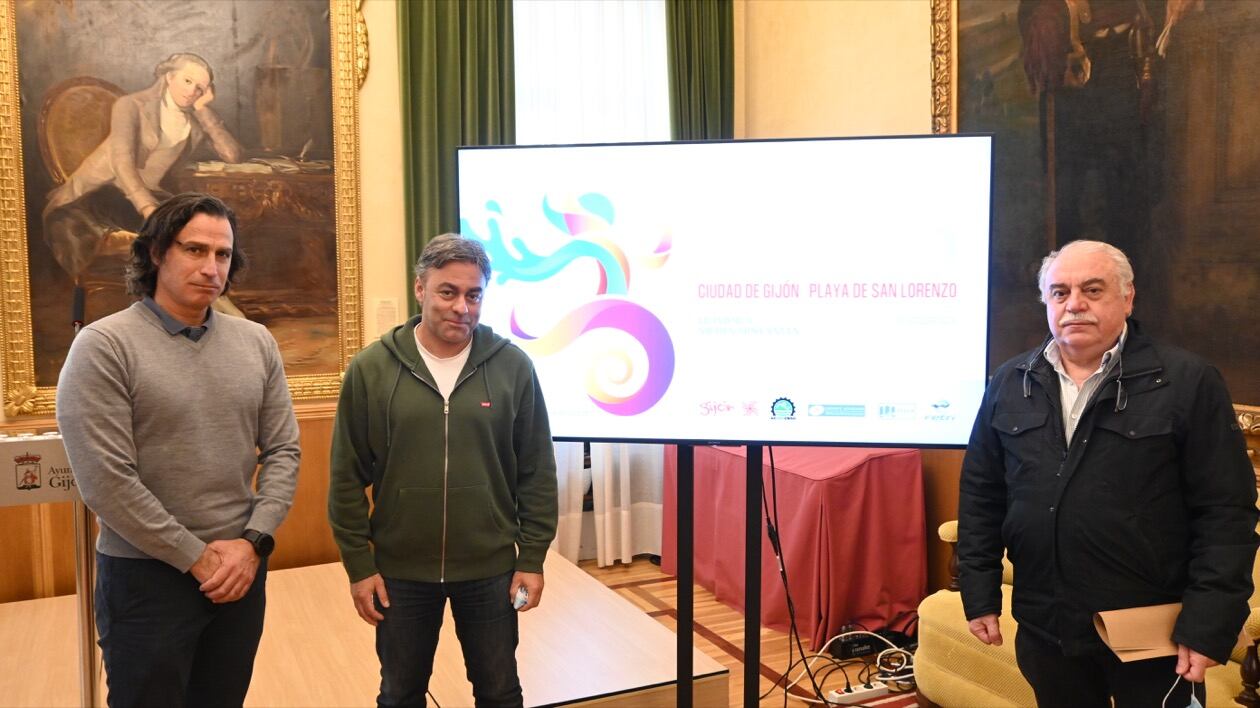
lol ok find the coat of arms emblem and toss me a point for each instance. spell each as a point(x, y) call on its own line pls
point(26, 469)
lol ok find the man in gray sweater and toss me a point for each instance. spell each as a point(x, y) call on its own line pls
point(167, 410)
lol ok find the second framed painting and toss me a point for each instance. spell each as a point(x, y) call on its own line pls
point(1126, 121)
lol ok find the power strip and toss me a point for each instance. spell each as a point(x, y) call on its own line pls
point(858, 694)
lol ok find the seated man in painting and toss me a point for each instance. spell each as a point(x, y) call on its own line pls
point(119, 183)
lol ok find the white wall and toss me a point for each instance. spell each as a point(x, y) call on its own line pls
point(381, 175)
point(814, 68)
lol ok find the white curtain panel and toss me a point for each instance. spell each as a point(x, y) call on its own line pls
point(626, 483)
point(590, 71)
point(571, 482)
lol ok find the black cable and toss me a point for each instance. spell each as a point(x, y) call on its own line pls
point(435, 703)
point(786, 678)
point(911, 618)
point(838, 667)
point(913, 622)
point(793, 633)
point(772, 531)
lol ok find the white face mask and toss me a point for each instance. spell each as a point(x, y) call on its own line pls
point(1194, 700)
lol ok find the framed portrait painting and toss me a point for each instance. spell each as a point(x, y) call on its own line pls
point(1135, 122)
point(107, 107)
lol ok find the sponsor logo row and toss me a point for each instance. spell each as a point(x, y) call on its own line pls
point(784, 408)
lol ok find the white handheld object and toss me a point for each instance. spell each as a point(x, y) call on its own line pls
point(521, 599)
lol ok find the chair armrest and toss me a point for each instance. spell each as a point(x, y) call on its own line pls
point(1250, 660)
point(948, 532)
point(1250, 672)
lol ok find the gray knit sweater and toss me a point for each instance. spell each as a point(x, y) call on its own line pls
point(164, 434)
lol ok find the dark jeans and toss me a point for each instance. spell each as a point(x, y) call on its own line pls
point(165, 644)
point(486, 624)
point(1092, 681)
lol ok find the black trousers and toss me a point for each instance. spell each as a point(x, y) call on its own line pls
point(165, 644)
point(1092, 681)
point(488, 631)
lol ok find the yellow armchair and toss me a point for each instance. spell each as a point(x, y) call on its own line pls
point(954, 669)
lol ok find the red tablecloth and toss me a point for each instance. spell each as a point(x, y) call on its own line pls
point(852, 525)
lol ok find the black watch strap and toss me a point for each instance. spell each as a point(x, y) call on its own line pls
point(263, 543)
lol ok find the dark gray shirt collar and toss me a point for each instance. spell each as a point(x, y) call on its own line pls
point(174, 326)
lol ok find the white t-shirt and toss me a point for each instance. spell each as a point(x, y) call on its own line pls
point(445, 371)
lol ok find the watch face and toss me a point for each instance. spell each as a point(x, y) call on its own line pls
point(265, 544)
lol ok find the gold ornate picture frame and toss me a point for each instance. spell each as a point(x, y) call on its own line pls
point(944, 66)
point(1142, 135)
point(288, 93)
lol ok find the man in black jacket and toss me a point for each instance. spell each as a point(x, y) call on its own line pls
point(1113, 473)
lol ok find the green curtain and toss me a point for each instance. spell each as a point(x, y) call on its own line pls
point(458, 88)
point(701, 39)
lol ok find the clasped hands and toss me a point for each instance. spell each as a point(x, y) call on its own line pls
point(226, 569)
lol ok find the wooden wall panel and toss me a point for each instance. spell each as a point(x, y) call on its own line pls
point(57, 527)
point(941, 471)
point(18, 545)
point(305, 538)
point(37, 542)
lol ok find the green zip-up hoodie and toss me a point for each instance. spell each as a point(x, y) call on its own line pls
point(460, 491)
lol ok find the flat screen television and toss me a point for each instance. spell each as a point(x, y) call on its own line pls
point(815, 291)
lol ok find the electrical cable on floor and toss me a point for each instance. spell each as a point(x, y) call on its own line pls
point(894, 672)
point(827, 658)
point(912, 622)
point(772, 531)
point(822, 655)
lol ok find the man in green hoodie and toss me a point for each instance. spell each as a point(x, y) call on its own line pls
point(445, 421)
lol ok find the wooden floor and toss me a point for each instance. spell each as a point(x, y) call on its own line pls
point(719, 634)
point(316, 652)
point(719, 630)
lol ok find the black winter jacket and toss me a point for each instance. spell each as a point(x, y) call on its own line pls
point(1153, 501)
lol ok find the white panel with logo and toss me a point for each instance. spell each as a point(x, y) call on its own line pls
point(35, 470)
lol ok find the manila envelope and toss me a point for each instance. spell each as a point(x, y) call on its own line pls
point(1137, 633)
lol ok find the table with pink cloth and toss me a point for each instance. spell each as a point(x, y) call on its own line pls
point(852, 526)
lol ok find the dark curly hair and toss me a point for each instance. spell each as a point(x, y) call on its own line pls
point(159, 231)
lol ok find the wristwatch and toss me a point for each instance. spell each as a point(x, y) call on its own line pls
point(263, 543)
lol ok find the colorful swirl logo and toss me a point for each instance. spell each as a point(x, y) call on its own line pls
point(588, 220)
point(628, 317)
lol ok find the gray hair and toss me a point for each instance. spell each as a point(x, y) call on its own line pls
point(1124, 270)
point(179, 59)
point(449, 248)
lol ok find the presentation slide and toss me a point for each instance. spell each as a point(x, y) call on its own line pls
point(830, 291)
